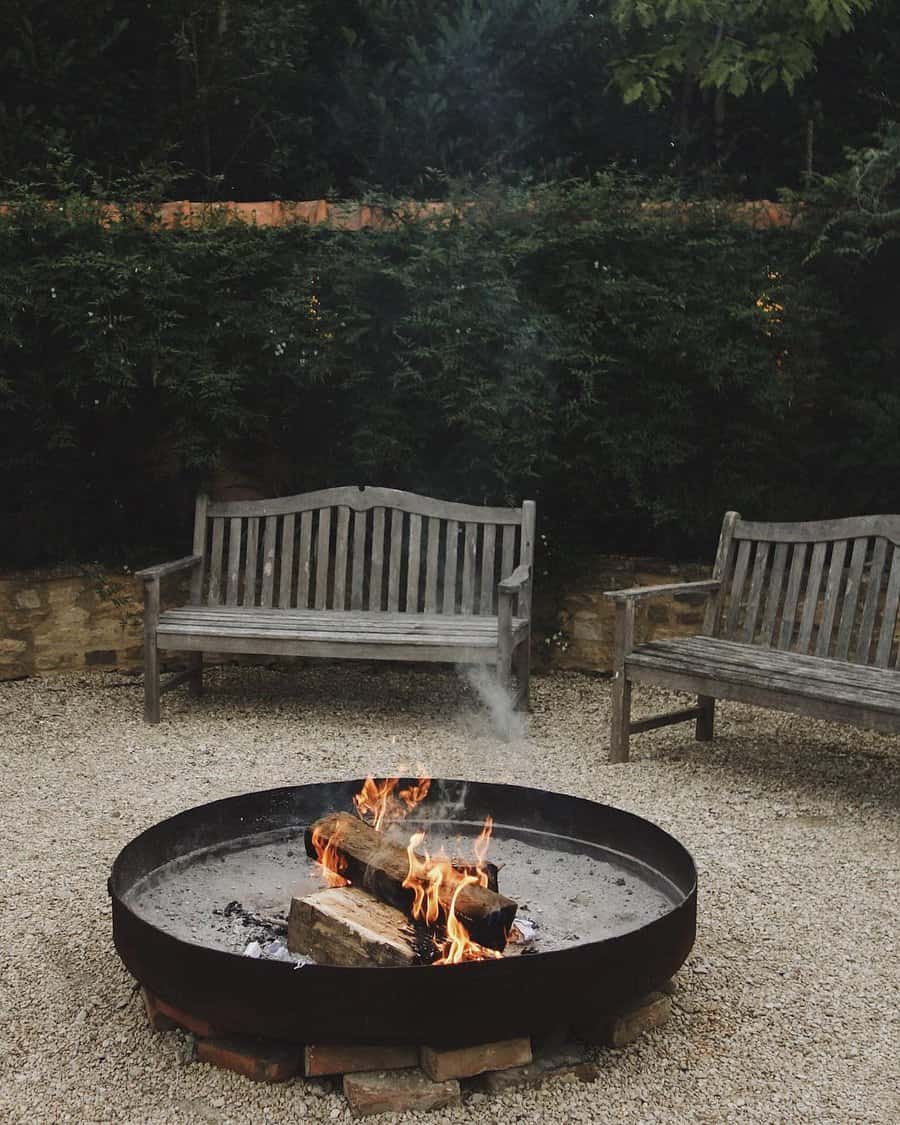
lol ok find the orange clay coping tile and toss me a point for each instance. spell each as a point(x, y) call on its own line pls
point(761, 214)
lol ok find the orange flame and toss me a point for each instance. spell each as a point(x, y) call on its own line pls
point(481, 850)
point(376, 804)
point(459, 946)
point(415, 877)
point(436, 877)
point(427, 877)
point(330, 859)
point(416, 794)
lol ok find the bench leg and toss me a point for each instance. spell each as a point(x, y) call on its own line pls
point(195, 683)
point(505, 652)
point(522, 665)
point(620, 719)
point(502, 710)
point(151, 680)
point(706, 718)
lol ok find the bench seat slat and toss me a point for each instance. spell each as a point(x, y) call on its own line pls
point(333, 626)
point(336, 635)
point(788, 673)
point(824, 706)
point(286, 645)
point(801, 665)
point(226, 617)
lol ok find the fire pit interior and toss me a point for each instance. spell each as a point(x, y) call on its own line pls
point(406, 911)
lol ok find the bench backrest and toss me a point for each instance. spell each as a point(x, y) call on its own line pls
point(360, 548)
point(829, 588)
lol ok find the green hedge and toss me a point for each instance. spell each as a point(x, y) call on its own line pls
point(635, 371)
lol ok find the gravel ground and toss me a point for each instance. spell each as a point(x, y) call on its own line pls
point(786, 1010)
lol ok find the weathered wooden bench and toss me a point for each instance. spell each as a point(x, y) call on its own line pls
point(799, 617)
point(354, 572)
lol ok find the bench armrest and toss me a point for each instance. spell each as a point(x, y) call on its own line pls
point(514, 582)
point(154, 573)
point(707, 586)
point(507, 589)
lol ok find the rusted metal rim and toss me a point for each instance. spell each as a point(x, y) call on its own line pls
point(478, 1001)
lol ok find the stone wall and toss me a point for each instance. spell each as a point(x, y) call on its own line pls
point(87, 617)
point(574, 624)
point(79, 618)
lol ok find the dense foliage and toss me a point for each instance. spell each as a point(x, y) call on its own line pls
point(635, 369)
point(573, 335)
point(251, 99)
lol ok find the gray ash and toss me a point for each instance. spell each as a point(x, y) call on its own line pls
point(224, 897)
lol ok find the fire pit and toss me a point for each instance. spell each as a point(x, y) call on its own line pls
point(604, 901)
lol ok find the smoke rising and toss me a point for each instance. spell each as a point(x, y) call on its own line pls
point(507, 723)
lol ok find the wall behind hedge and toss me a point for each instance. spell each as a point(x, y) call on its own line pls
point(635, 371)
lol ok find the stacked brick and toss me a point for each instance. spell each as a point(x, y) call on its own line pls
point(390, 1078)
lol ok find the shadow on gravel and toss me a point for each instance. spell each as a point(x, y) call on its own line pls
point(324, 689)
point(839, 763)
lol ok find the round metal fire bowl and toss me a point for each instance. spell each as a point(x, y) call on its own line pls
point(474, 1002)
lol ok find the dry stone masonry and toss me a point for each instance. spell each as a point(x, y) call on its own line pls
point(61, 619)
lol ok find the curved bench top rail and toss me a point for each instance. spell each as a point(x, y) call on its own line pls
point(361, 499)
point(821, 531)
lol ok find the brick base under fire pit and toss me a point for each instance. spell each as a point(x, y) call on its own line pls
point(378, 1079)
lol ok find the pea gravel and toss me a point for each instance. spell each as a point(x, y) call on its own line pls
point(786, 1010)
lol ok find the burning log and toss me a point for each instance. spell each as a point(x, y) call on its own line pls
point(490, 870)
point(366, 859)
point(346, 926)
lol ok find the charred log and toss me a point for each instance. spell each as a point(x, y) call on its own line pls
point(380, 866)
